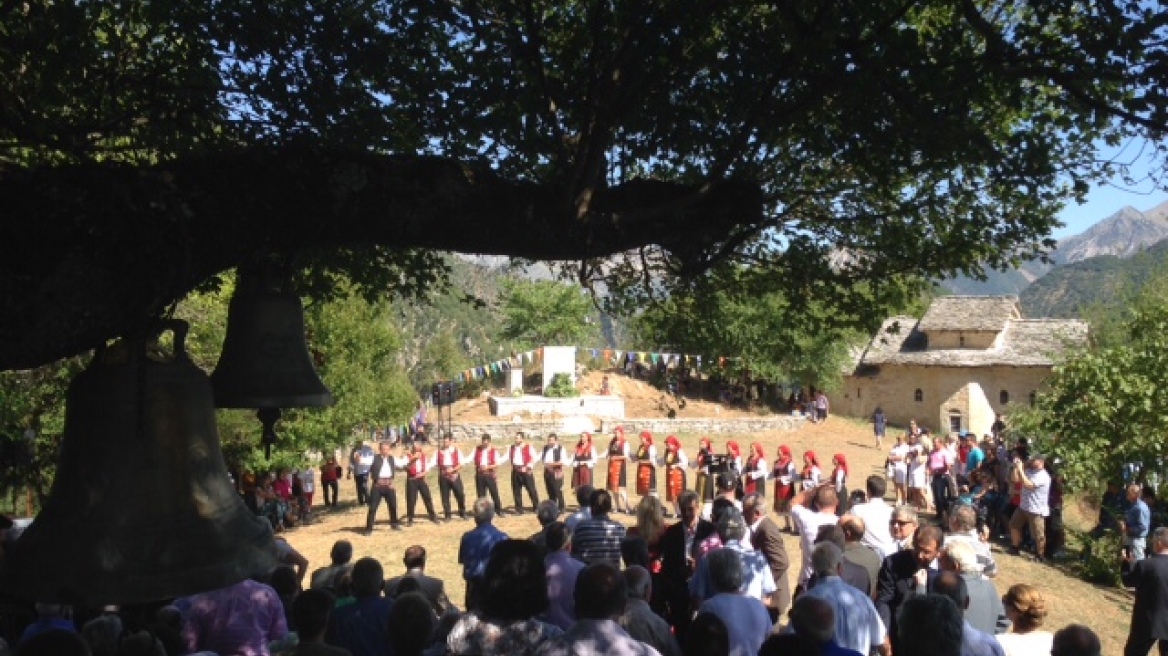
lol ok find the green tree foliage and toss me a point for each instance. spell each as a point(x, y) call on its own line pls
point(773, 335)
point(149, 146)
point(1103, 408)
point(547, 313)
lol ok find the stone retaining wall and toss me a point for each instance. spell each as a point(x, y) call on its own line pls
point(505, 430)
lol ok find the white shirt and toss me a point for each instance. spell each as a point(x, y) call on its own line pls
point(1036, 500)
point(446, 457)
point(900, 451)
point(760, 470)
point(549, 455)
point(877, 535)
point(307, 480)
point(682, 460)
point(652, 459)
point(590, 462)
point(1026, 644)
point(809, 522)
point(708, 509)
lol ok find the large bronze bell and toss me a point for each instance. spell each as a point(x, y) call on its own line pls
point(265, 363)
point(142, 508)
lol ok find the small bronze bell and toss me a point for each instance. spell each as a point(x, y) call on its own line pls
point(265, 363)
point(142, 508)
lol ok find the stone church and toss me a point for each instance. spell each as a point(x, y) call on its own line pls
point(968, 359)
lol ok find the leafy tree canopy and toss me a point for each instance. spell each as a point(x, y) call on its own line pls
point(1103, 410)
point(804, 336)
point(146, 147)
point(547, 313)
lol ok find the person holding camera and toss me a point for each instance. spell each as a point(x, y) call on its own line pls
point(1033, 506)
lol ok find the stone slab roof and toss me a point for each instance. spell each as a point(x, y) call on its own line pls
point(970, 313)
point(1025, 343)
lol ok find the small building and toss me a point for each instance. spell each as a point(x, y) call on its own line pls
point(968, 359)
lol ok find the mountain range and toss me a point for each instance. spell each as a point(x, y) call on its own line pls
point(1119, 236)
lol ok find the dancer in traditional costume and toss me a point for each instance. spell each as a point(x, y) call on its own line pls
point(675, 465)
point(618, 458)
point(646, 465)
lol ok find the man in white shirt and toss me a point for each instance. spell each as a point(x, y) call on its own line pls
point(1034, 506)
point(553, 460)
point(808, 521)
point(876, 513)
point(450, 461)
point(727, 486)
point(487, 461)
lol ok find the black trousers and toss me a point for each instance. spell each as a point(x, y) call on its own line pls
point(334, 488)
point(362, 481)
point(1138, 645)
point(414, 487)
point(485, 483)
point(523, 481)
point(375, 496)
point(445, 487)
point(555, 488)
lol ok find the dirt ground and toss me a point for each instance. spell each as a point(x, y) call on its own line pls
point(1070, 600)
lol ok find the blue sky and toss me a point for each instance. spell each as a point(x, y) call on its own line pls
point(1107, 199)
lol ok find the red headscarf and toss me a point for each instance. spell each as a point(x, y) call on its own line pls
point(646, 436)
point(585, 438)
point(757, 449)
point(704, 443)
point(618, 433)
point(732, 447)
point(810, 455)
point(784, 454)
point(672, 443)
point(842, 461)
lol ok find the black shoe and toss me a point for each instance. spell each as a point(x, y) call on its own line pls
point(396, 526)
point(462, 515)
point(433, 519)
point(1014, 551)
point(367, 531)
point(409, 522)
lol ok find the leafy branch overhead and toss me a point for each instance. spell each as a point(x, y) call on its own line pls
point(146, 147)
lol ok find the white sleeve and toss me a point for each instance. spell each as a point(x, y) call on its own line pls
point(760, 470)
point(592, 461)
point(502, 457)
point(682, 459)
point(653, 455)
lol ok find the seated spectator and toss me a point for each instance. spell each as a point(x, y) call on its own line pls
point(746, 618)
point(325, 578)
point(142, 643)
point(707, 637)
point(635, 552)
point(1076, 640)
point(639, 620)
point(283, 581)
point(930, 625)
point(360, 627)
point(514, 592)
point(311, 612)
point(1026, 607)
point(411, 624)
point(973, 642)
point(600, 596)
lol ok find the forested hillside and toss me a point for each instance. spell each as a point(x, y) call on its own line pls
point(1069, 291)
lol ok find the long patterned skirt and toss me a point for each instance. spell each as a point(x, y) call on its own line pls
point(646, 478)
point(674, 483)
point(616, 475)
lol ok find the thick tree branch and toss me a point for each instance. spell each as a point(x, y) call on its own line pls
point(94, 250)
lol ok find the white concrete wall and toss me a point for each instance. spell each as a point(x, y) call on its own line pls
point(558, 360)
point(555, 409)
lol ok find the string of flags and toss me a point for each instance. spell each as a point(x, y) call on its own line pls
point(611, 356)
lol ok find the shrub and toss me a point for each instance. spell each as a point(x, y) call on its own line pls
point(561, 387)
